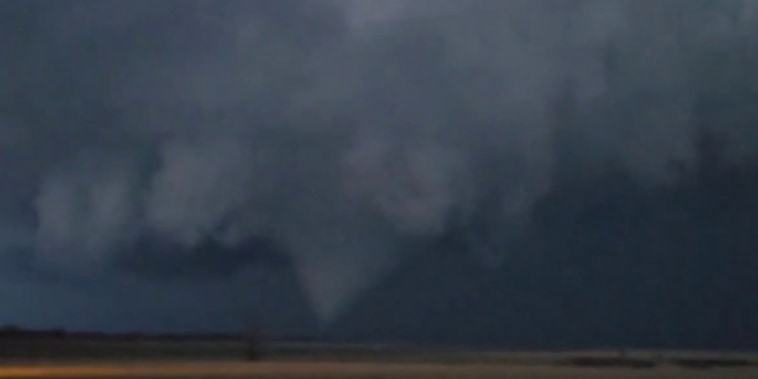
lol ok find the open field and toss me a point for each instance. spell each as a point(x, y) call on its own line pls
point(352, 370)
point(225, 359)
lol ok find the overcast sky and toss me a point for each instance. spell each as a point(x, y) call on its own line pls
point(187, 164)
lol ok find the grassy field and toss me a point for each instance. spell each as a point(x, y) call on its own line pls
point(354, 370)
point(225, 359)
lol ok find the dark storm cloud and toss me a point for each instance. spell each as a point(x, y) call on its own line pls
point(160, 259)
point(137, 134)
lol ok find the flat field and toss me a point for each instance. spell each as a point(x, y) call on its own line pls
point(225, 359)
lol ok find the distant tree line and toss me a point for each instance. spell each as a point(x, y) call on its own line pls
point(10, 332)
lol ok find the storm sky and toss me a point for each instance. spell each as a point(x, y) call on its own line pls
point(189, 164)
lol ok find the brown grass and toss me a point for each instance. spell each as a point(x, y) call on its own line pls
point(354, 370)
point(224, 359)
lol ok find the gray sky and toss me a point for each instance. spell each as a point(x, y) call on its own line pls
point(287, 156)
